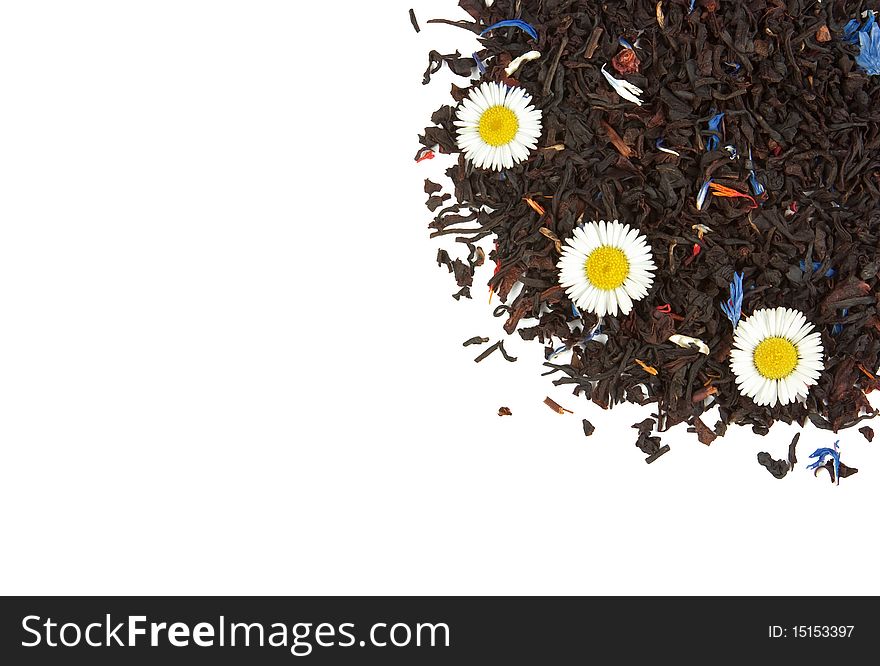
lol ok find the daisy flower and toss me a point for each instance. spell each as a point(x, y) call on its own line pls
point(606, 266)
point(497, 126)
point(777, 356)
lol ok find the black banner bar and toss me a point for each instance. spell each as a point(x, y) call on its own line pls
point(430, 630)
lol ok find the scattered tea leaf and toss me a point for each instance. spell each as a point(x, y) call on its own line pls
point(589, 428)
point(792, 450)
point(556, 407)
point(487, 352)
point(778, 468)
point(507, 357)
point(829, 467)
point(704, 433)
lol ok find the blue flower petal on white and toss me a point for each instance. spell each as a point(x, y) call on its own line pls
point(824, 453)
point(869, 56)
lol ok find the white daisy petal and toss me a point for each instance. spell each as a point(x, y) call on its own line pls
point(782, 391)
point(592, 233)
point(624, 300)
point(600, 232)
point(610, 302)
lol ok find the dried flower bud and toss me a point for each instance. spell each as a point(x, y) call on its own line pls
point(626, 62)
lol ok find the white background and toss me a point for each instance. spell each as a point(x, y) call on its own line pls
point(229, 363)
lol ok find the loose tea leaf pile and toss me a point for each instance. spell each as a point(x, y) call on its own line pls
point(755, 149)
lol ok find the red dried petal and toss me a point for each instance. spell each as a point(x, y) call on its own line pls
point(626, 62)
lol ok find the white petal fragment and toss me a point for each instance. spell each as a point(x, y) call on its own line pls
point(624, 88)
point(516, 63)
point(686, 342)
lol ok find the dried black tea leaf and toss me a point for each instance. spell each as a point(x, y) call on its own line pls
point(778, 468)
point(431, 187)
point(487, 352)
point(829, 466)
point(477, 340)
point(414, 21)
point(460, 66)
point(846, 471)
point(504, 411)
point(464, 274)
point(645, 427)
point(443, 259)
point(589, 428)
point(464, 292)
point(792, 450)
point(658, 452)
point(556, 407)
point(435, 201)
point(507, 357)
point(868, 432)
point(704, 433)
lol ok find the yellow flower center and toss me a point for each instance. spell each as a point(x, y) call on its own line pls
point(775, 358)
point(498, 126)
point(607, 267)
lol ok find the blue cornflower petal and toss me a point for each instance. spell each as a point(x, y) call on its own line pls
point(854, 28)
point(662, 147)
point(816, 266)
point(851, 31)
point(691, 8)
point(757, 187)
point(625, 44)
point(597, 330)
point(714, 125)
point(556, 352)
point(480, 65)
point(837, 329)
point(701, 195)
point(869, 56)
point(733, 307)
point(822, 454)
point(513, 23)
